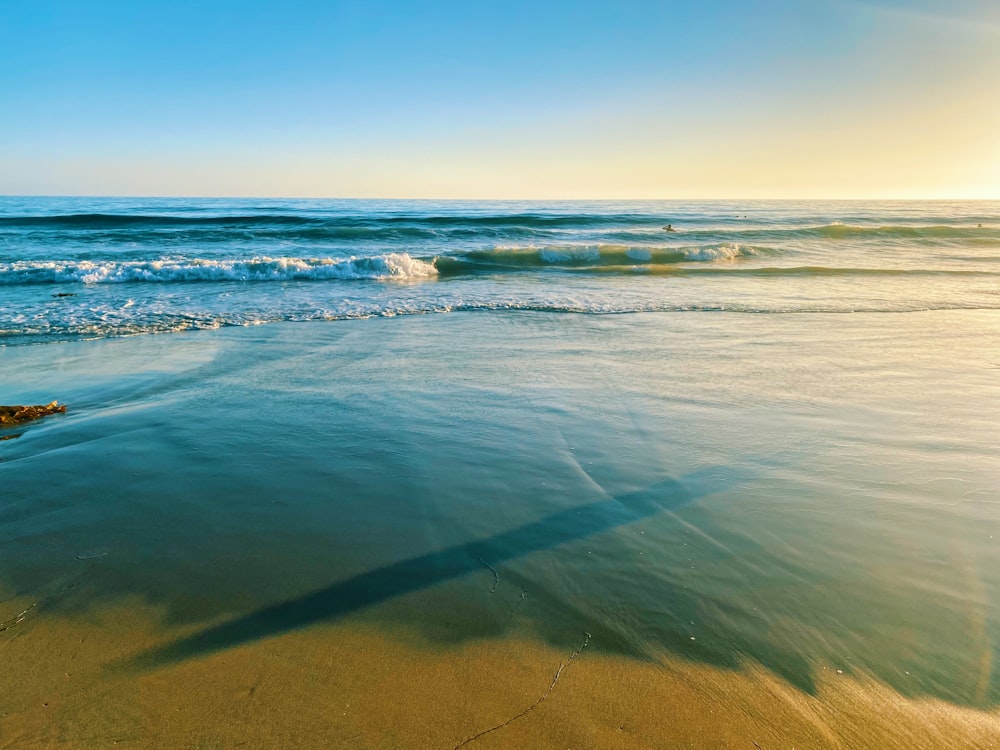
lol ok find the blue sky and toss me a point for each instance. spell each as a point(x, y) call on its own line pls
point(776, 98)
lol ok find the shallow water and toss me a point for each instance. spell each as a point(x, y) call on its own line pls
point(722, 490)
point(810, 495)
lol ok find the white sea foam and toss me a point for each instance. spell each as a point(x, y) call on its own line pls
point(719, 252)
point(399, 266)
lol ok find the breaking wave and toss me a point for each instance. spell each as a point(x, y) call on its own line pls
point(393, 266)
point(589, 256)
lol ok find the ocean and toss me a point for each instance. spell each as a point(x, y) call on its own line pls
point(148, 266)
point(500, 474)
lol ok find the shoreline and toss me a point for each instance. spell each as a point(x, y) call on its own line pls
point(505, 485)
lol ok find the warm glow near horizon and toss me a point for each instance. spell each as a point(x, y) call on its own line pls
point(773, 99)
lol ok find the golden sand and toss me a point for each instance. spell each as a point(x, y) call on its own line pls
point(72, 683)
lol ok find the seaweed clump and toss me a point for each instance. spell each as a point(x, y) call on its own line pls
point(11, 416)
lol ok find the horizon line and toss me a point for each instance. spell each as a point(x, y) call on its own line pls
point(480, 199)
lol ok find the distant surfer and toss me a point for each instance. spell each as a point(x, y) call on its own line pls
point(669, 228)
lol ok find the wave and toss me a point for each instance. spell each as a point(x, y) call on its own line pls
point(832, 271)
point(397, 266)
point(402, 267)
point(408, 230)
point(100, 221)
point(361, 222)
point(838, 230)
point(668, 269)
point(103, 220)
point(588, 256)
point(95, 323)
point(835, 232)
point(188, 235)
point(393, 266)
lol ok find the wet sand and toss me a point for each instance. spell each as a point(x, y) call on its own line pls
point(629, 531)
point(71, 683)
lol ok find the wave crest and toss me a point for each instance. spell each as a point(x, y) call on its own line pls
point(590, 256)
point(392, 266)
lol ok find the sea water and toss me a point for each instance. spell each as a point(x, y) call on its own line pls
point(767, 437)
point(74, 267)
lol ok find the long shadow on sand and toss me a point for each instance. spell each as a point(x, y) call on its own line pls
point(367, 589)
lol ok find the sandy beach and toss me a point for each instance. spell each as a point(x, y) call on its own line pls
point(351, 687)
point(282, 536)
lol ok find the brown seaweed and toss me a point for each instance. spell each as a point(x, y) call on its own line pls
point(15, 415)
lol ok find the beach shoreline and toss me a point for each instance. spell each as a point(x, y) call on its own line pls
point(582, 518)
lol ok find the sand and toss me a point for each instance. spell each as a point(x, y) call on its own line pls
point(73, 683)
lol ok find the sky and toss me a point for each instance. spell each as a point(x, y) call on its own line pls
point(541, 99)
